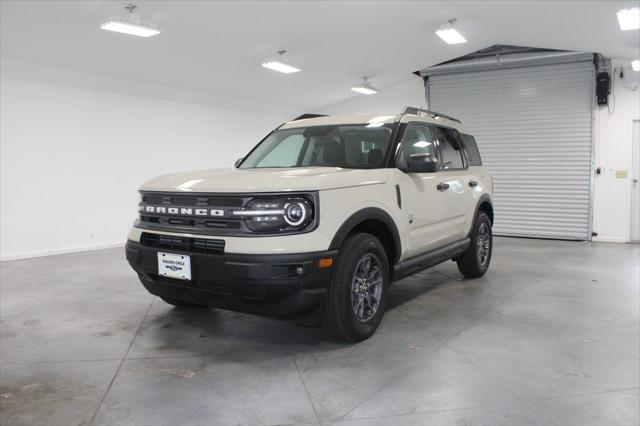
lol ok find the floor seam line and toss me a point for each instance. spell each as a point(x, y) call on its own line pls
point(58, 361)
point(304, 385)
point(124, 357)
point(518, 401)
point(472, 287)
point(397, 379)
point(442, 345)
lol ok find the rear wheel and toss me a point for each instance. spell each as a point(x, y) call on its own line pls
point(356, 297)
point(475, 261)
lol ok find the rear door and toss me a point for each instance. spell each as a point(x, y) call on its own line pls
point(478, 177)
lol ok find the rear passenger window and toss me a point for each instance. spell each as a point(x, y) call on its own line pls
point(473, 155)
point(450, 149)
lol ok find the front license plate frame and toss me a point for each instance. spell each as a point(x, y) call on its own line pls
point(172, 265)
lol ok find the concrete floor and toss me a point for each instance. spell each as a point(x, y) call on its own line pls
point(549, 336)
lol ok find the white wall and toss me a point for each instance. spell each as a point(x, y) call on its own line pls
point(613, 133)
point(72, 158)
point(74, 147)
point(390, 100)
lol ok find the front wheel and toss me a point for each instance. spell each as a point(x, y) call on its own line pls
point(475, 261)
point(356, 297)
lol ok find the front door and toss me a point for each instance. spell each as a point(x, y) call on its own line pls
point(424, 206)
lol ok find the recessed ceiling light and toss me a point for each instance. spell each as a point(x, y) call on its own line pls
point(365, 87)
point(279, 65)
point(635, 65)
point(131, 25)
point(629, 19)
point(449, 34)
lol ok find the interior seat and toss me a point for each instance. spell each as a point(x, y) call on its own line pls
point(375, 157)
point(333, 154)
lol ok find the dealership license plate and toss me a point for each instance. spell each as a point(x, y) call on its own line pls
point(174, 266)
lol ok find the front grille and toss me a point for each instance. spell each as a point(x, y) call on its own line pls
point(217, 218)
point(215, 200)
point(190, 245)
point(204, 213)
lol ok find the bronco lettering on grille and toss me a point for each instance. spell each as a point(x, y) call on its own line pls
point(183, 211)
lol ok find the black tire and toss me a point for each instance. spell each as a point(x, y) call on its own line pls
point(475, 261)
point(339, 318)
point(180, 304)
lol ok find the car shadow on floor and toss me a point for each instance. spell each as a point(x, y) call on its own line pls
point(200, 331)
point(415, 286)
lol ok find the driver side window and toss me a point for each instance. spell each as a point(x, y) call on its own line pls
point(417, 139)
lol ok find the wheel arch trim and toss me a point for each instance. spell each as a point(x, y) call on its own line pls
point(484, 198)
point(369, 213)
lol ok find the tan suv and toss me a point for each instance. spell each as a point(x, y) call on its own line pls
point(318, 219)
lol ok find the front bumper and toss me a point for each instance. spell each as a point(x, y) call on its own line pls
point(279, 285)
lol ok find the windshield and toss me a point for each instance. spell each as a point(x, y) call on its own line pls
point(350, 146)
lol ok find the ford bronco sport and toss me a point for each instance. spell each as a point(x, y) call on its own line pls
point(318, 219)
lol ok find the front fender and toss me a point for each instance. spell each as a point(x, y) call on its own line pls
point(377, 202)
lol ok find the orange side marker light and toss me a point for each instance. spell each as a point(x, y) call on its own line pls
point(325, 262)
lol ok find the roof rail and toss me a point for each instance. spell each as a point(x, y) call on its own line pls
point(305, 116)
point(418, 111)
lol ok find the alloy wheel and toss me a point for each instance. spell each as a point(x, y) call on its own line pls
point(366, 287)
point(483, 240)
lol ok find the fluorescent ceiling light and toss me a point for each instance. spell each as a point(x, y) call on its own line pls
point(635, 65)
point(131, 25)
point(278, 65)
point(122, 26)
point(449, 34)
point(629, 19)
point(365, 88)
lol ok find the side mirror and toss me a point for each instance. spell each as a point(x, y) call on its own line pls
point(237, 163)
point(422, 163)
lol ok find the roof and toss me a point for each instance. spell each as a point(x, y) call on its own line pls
point(373, 118)
point(340, 119)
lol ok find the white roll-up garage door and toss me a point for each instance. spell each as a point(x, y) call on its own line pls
point(534, 130)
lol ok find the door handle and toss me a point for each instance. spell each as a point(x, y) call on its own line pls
point(442, 186)
point(473, 183)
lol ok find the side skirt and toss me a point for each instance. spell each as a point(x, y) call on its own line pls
point(429, 259)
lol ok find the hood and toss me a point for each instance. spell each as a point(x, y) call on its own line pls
point(266, 180)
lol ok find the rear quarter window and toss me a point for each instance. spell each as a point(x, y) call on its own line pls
point(473, 155)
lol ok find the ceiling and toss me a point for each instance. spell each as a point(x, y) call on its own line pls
point(217, 46)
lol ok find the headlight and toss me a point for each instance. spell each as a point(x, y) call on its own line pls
point(277, 214)
point(296, 212)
